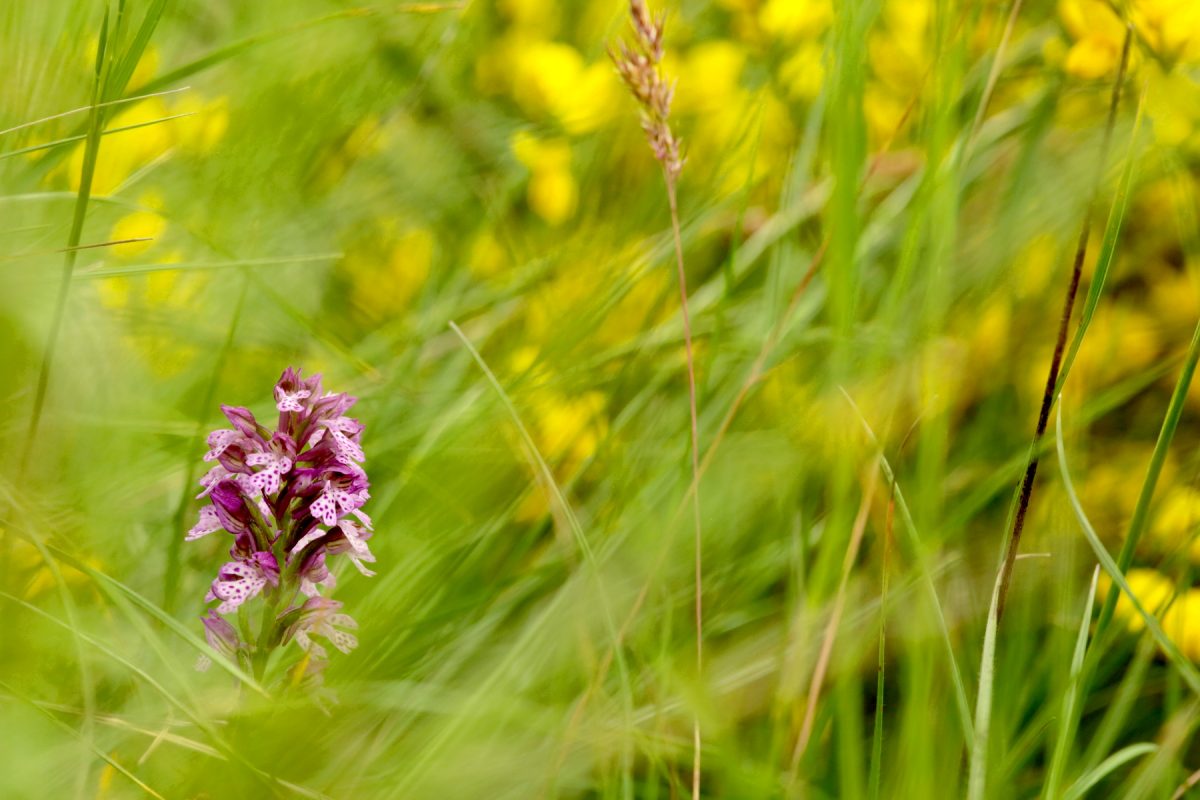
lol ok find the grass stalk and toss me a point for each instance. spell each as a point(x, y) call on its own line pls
point(977, 775)
point(694, 424)
point(1013, 544)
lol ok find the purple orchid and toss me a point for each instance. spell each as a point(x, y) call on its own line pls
point(291, 498)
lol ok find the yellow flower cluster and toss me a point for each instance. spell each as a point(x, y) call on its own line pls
point(1177, 613)
point(386, 268)
point(1168, 30)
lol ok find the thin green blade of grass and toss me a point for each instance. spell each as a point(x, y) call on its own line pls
point(71, 112)
point(977, 774)
point(202, 266)
point(1186, 669)
point(81, 137)
point(123, 68)
point(1066, 728)
point(1118, 759)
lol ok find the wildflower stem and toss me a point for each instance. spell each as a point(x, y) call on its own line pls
point(695, 448)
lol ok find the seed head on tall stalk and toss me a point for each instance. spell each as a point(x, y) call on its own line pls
point(639, 64)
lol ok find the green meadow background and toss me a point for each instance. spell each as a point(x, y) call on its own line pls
point(880, 210)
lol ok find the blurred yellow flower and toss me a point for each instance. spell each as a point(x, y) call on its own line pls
point(550, 79)
point(638, 310)
point(1180, 621)
point(989, 344)
point(568, 429)
point(1092, 57)
point(1152, 589)
point(1175, 521)
point(487, 257)
point(592, 101)
point(170, 287)
point(553, 195)
point(143, 224)
point(1098, 35)
point(199, 134)
point(39, 579)
point(803, 73)
point(907, 19)
point(899, 54)
point(709, 78)
point(571, 287)
point(1170, 27)
point(884, 112)
point(552, 192)
point(122, 154)
point(1173, 104)
point(543, 74)
point(793, 20)
point(386, 270)
point(1034, 266)
point(540, 16)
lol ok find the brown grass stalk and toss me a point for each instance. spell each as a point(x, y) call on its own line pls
point(1004, 578)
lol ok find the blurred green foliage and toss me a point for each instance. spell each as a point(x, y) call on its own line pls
point(330, 185)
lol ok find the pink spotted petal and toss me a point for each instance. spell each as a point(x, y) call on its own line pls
point(290, 401)
point(353, 536)
point(266, 481)
point(357, 562)
point(342, 641)
point(313, 588)
point(346, 447)
point(209, 523)
point(311, 536)
point(343, 621)
point(309, 646)
point(218, 441)
point(247, 581)
point(324, 509)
